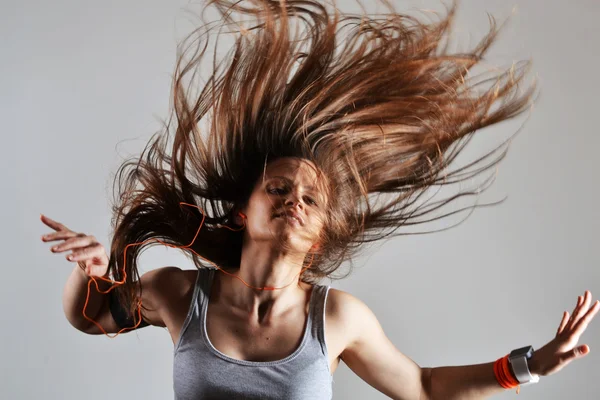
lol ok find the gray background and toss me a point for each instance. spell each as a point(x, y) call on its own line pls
point(84, 83)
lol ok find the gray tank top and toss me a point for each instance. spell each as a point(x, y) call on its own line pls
point(200, 371)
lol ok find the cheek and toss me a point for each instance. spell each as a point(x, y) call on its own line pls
point(261, 205)
point(260, 213)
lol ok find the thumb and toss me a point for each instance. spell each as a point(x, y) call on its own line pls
point(578, 352)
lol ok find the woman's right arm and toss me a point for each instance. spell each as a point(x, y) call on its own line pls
point(92, 261)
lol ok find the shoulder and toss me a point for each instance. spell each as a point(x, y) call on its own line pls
point(350, 314)
point(165, 283)
point(166, 276)
point(344, 305)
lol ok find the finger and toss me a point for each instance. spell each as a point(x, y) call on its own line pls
point(85, 253)
point(68, 244)
point(74, 243)
point(61, 235)
point(583, 307)
point(582, 324)
point(563, 323)
point(52, 223)
point(570, 322)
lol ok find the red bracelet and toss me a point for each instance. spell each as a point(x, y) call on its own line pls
point(504, 376)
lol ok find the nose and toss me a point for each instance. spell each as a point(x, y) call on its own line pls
point(293, 201)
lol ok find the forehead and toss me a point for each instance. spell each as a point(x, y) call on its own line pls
point(298, 170)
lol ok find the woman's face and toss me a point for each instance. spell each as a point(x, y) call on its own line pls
point(289, 185)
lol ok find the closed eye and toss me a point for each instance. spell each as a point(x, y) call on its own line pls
point(281, 191)
point(313, 202)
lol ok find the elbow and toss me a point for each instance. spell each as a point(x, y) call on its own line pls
point(77, 320)
point(86, 327)
point(78, 323)
point(426, 384)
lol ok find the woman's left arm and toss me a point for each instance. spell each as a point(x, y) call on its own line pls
point(372, 356)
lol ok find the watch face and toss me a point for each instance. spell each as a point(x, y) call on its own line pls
point(526, 352)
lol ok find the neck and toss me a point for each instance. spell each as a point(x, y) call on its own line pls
point(263, 267)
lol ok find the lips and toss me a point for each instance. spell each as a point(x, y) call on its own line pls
point(292, 214)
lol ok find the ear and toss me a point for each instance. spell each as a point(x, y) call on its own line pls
point(239, 217)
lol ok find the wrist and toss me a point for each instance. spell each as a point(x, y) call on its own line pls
point(534, 365)
point(523, 365)
point(100, 280)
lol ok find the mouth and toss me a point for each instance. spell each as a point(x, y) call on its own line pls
point(291, 217)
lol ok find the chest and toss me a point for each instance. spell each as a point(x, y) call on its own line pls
point(244, 341)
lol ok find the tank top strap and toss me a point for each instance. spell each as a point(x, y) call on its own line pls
point(319, 301)
point(204, 283)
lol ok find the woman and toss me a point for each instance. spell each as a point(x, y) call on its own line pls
point(312, 151)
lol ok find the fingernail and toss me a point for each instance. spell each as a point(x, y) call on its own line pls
point(69, 257)
point(54, 248)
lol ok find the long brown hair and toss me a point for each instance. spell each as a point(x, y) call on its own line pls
point(378, 104)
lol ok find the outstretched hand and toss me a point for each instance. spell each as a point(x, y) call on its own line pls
point(85, 249)
point(563, 349)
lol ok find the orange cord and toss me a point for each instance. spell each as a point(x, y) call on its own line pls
point(504, 376)
point(139, 305)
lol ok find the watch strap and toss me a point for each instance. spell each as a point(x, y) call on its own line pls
point(521, 370)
